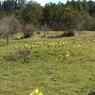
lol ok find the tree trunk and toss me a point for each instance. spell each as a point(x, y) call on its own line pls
point(7, 40)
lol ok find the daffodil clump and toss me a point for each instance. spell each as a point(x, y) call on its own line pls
point(27, 46)
point(36, 92)
point(45, 44)
point(67, 54)
point(62, 55)
point(77, 46)
point(56, 44)
point(23, 47)
point(48, 44)
point(24, 51)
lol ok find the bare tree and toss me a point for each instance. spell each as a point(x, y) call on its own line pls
point(45, 29)
point(9, 26)
point(28, 30)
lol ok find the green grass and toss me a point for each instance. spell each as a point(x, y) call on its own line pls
point(47, 69)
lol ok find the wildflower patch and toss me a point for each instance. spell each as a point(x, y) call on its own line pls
point(36, 92)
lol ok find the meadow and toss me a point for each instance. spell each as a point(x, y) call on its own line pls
point(56, 66)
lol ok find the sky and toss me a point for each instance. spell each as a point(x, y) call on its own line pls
point(43, 2)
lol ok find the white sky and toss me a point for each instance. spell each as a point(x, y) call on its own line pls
point(43, 2)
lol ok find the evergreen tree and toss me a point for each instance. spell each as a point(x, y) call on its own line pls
point(85, 5)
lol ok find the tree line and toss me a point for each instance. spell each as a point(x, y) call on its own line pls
point(11, 5)
point(73, 16)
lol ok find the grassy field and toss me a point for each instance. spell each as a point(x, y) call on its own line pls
point(56, 66)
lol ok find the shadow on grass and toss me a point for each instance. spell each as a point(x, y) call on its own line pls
point(61, 36)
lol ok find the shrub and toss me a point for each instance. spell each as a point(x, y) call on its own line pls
point(9, 26)
point(69, 33)
point(24, 52)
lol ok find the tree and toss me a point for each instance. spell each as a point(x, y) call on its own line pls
point(91, 5)
point(70, 23)
point(32, 13)
point(28, 30)
point(85, 5)
point(11, 5)
point(31, 16)
point(53, 15)
point(9, 26)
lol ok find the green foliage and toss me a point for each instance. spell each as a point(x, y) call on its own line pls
point(11, 5)
point(32, 13)
point(70, 22)
point(91, 5)
point(52, 15)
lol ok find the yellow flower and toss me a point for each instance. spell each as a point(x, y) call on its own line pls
point(29, 47)
point(36, 91)
point(33, 46)
point(32, 93)
point(78, 45)
point(40, 93)
point(45, 42)
point(67, 54)
point(63, 43)
point(26, 45)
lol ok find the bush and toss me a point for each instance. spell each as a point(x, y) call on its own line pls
point(24, 53)
point(69, 33)
point(38, 33)
point(28, 30)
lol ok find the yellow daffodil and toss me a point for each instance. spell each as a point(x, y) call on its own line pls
point(36, 91)
point(40, 93)
point(26, 45)
point(78, 45)
point(63, 43)
point(33, 46)
point(32, 93)
point(67, 54)
point(29, 47)
point(45, 42)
